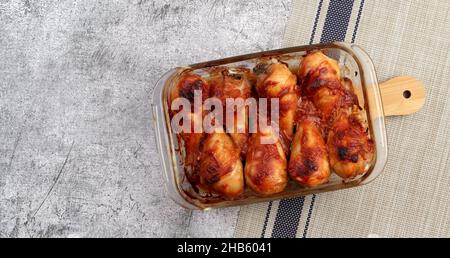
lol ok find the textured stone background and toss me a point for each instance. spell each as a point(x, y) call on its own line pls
point(77, 154)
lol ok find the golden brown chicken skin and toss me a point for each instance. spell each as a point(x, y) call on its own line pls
point(308, 163)
point(185, 88)
point(320, 81)
point(265, 168)
point(350, 149)
point(231, 85)
point(221, 169)
point(275, 80)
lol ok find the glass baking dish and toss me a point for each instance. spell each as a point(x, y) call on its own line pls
point(355, 64)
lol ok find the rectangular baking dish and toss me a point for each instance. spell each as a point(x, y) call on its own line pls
point(355, 64)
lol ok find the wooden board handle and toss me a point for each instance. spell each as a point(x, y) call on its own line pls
point(402, 95)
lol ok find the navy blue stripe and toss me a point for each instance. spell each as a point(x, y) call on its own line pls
point(286, 222)
point(308, 219)
point(311, 40)
point(288, 216)
point(336, 21)
point(266, 219)
point(355, 31)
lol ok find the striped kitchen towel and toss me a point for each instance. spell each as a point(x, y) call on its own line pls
point(411, 198)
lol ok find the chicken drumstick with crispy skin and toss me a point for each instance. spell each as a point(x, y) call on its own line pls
point(187, 84)
point(221, 169)
point(231, 85)
point(308, 163)
point(265, 168)
point(266, 163)
point(349, 146)
point(275, 80)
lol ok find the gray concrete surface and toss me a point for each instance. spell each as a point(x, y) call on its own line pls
point(77, 153)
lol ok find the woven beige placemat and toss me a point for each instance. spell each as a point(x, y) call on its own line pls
point(411, 198)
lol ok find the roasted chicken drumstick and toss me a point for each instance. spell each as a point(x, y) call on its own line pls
point(221, 169)
point(266, 163)
point(185, 88)
point(231, 85)
point(308, 163)
point(265, 168)
point(275, 80)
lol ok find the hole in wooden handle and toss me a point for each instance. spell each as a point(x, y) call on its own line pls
point(407, 94)
point(409, 88)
